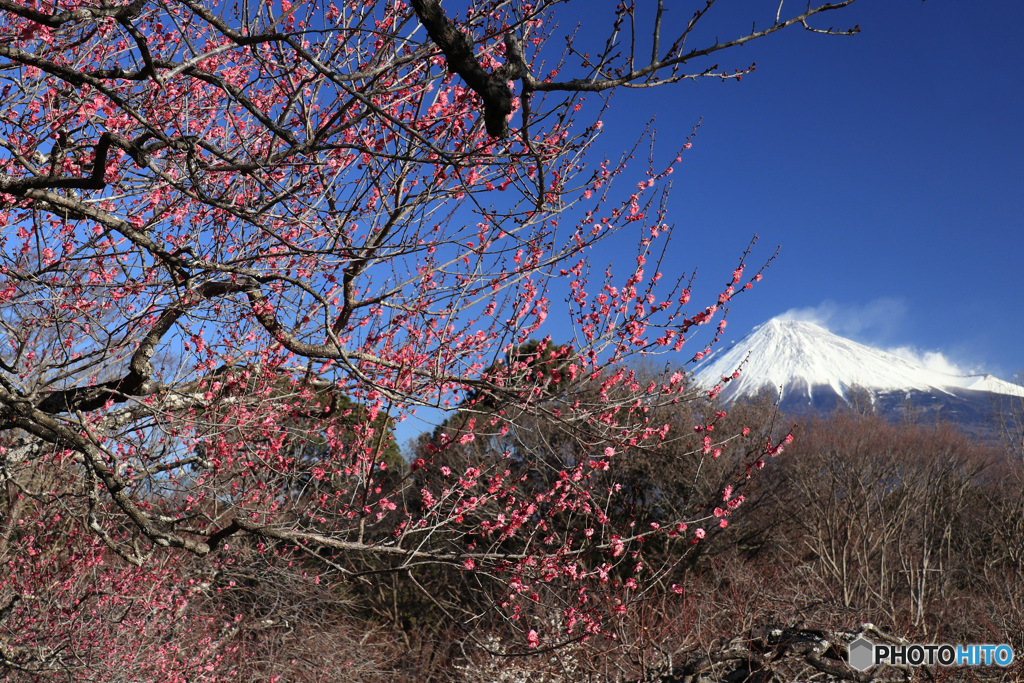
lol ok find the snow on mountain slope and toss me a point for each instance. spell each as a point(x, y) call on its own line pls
point(795, 356)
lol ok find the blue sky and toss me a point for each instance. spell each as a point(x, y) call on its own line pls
point(888, 165)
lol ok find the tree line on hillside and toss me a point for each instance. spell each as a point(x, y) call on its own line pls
point(913, 527)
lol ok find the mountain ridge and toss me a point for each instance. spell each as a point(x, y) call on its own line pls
point(814, 370)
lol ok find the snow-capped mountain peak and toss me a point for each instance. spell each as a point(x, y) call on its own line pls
point(796, 357)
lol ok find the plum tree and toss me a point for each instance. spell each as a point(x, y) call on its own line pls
point(220, 216)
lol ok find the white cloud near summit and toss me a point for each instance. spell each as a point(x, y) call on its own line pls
point(933, 360)
point(872, 323)
point(875, 319)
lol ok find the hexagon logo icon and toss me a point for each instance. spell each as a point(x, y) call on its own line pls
point(861, 654)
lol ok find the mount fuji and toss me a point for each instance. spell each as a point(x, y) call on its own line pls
point(811, 370)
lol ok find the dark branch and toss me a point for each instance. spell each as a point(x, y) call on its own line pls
point(138, 381)
point(458, 50)
point(122, 12)
point(17, 186)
